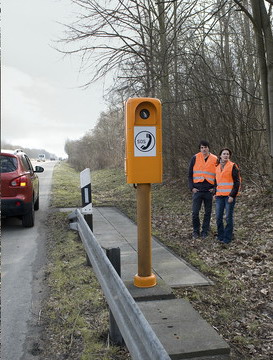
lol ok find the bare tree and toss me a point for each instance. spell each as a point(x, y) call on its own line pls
point(197, 57)
point(102, 147)
point(262, 23)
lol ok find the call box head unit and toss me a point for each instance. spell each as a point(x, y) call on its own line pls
point(143, 127)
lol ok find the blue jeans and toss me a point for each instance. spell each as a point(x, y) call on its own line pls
point(197, 199)
point(222, 205)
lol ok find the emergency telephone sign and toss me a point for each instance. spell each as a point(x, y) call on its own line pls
point(145, 141)
point(143, 128)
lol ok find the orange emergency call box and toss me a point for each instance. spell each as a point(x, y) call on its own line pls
point(143, 130)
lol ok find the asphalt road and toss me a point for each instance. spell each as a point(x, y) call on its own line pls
point(23, 257)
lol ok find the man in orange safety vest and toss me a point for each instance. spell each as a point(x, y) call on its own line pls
point(201, 176)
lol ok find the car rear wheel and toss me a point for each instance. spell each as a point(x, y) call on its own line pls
point(28, 219)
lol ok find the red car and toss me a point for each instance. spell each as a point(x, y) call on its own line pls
point(19, 186)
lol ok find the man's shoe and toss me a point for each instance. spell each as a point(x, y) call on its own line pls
point(227, 242)
point(195, 235)
point(204, 235)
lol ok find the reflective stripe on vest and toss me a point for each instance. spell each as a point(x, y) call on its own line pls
point(224, 179)
point(204, 170)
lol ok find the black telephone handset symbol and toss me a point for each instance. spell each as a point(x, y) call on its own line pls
point(145, 147)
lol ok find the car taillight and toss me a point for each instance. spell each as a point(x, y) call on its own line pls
point(20, 181)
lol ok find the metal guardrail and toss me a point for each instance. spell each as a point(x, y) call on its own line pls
point(139, 337)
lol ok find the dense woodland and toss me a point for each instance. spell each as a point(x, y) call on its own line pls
point(209, 62)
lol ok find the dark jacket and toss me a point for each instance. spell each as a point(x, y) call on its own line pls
point(201, 186)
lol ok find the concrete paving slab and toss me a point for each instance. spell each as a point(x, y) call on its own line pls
point(159, 292)
point(159, 251)
point(128, 258)
point(182, 331)
point(178, 275)
point(114, 229)
point(113, 243)
point(127, 249)
point(128, 271)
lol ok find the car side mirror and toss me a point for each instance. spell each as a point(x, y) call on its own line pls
point(38, 169)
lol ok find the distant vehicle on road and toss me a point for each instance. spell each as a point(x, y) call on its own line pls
point(19, 186)
point(41, 157)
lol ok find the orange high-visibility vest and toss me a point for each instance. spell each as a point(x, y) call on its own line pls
point(204, 170)
point(224, 179)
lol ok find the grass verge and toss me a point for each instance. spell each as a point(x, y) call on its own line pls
point(75, 314)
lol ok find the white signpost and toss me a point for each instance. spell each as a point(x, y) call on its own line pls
point(85, 179)
point(87, 211)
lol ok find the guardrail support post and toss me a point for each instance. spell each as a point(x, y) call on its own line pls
point(89, 220)
point(113, 255)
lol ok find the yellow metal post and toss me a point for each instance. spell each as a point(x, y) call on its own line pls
point(143, 166)
point(144, 278)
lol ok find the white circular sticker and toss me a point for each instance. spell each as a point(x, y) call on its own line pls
point(145, 141)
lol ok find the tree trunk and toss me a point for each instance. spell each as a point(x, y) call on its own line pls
point(264, 40)
point(165, 92)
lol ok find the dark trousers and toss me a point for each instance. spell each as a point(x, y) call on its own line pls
point(197, 199)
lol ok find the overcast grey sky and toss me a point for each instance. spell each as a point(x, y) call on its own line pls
point(42, 104)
